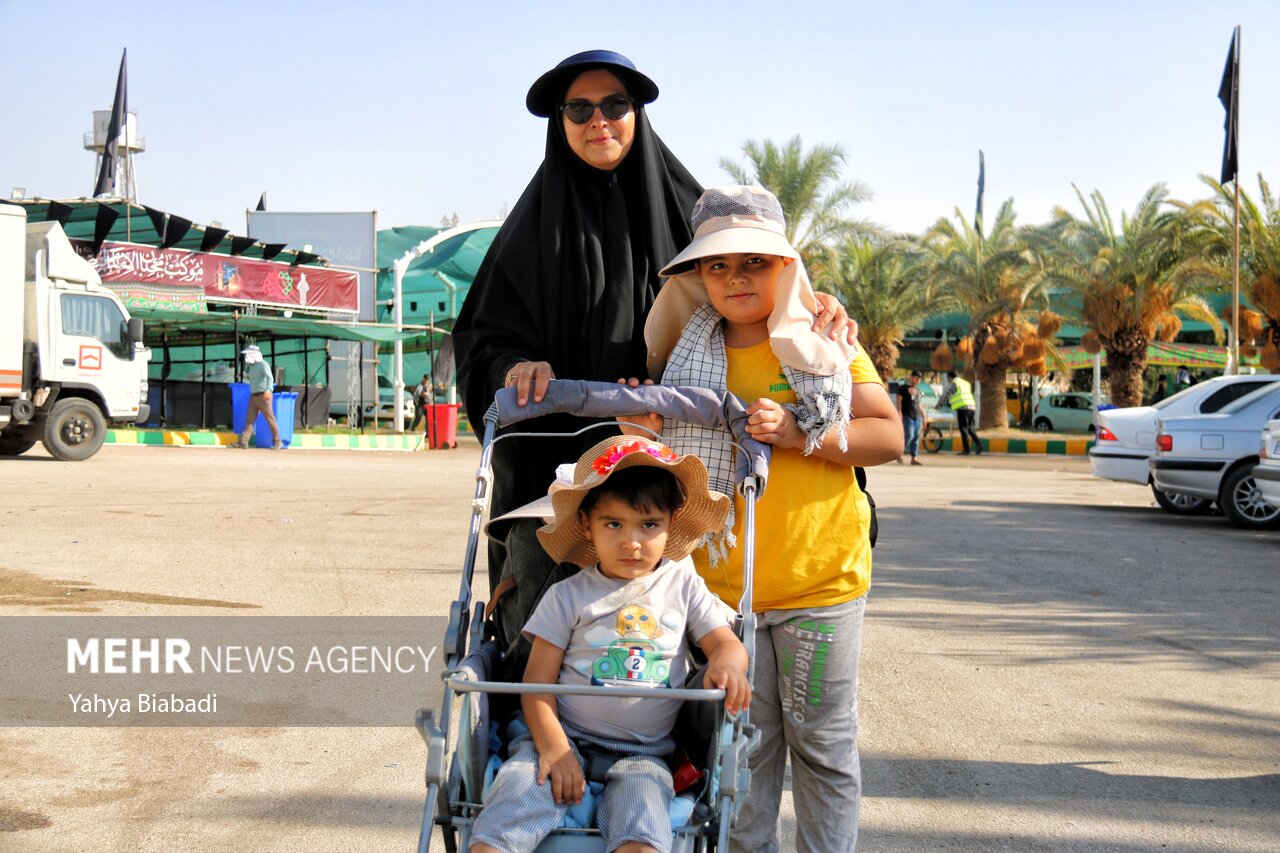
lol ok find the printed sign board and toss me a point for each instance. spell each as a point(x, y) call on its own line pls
point(175, 272)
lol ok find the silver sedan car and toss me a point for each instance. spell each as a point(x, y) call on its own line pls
point(1126, 438)
point(1267, 472)
point(1213, 456)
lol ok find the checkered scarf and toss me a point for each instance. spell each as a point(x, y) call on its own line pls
point(698, 359)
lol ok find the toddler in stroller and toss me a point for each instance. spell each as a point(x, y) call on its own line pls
point(630, 653)
point(632, 510)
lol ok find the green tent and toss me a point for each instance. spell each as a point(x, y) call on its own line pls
point(435, 283)
point(134, 224)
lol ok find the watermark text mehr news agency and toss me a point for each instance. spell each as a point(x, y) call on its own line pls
point(174, 656)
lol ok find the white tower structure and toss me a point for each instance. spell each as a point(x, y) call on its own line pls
point(131, 142)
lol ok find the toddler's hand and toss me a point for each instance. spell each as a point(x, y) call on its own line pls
point(733, 681)
point(650, 420)
point(567, 782)
point(770, 423)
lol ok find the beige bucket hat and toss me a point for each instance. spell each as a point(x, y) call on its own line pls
point(734, 219)
point(701, 513)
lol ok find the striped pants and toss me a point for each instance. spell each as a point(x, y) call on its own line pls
point(519, 812)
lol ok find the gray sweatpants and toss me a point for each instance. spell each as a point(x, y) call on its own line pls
point(805, 700)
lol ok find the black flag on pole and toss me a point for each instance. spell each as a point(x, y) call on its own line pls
point(982, 184)
point(1229, 95)
point(442, 370)
point(262, 201)
point(102, 222)
point(106, 184)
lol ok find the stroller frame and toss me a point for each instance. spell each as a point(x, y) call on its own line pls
point(729, 777)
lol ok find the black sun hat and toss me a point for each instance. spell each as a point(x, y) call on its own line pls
point(545, 93)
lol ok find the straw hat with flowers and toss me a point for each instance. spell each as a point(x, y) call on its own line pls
point(701, 513)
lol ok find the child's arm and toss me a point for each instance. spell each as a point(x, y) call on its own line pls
point(556, 759)
point(874, 431)
point(727, 667)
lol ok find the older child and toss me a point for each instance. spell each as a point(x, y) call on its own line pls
point(632, 508)
point(736, 314)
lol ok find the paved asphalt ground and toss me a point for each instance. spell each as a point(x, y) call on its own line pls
point(1050, 663)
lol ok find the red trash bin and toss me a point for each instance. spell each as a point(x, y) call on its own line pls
point(442, 425)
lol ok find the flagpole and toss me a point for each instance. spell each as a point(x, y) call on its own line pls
point(1229, 97)
point(1235, 288)
point(1235, 275)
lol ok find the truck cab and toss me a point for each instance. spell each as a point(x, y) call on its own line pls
point(71, 358)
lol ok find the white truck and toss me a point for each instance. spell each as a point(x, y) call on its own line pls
point(71, 358)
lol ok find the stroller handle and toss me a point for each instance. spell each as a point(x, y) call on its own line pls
point(462, 684)
point(702, 406)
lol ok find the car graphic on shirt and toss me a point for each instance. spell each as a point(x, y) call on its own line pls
point(632, 663)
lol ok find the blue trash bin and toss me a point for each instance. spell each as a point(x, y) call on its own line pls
point(239, 405)
point(283, 405)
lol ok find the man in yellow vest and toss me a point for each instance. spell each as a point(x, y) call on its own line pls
point(961, 400)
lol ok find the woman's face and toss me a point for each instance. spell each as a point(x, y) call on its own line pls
point(601, 142)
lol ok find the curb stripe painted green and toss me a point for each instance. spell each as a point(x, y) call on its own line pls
point(206, 438)
point(1054, 447)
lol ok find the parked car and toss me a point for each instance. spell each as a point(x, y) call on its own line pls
point(1267, 472)
point(1213, 457)
point(1068, 412)
point(1126, 438)
point(386, 407)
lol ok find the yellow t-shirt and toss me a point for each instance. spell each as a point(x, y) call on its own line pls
point(812, 547)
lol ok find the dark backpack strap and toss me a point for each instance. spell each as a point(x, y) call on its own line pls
point(874, 528)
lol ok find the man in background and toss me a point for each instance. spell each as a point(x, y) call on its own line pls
point(261, 384)
point(912, 415)
point(962, 403)
point(421, 399)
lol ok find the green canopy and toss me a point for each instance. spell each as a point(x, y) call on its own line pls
point(134, 225)
point(436, 282)
point(1162, 354)
point(956, 324)
point(181, 323)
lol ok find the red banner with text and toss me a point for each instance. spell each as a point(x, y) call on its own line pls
point(223, 277)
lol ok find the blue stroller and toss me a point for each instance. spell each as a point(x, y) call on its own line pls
point(462, 756)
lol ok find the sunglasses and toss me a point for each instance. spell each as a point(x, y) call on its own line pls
point(613, 108)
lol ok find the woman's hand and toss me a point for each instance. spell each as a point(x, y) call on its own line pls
point(834, 319)
point(769, 423)
point(529, 374)
point(651, 420)
point(561, 766)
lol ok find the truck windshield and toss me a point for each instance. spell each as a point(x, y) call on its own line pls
point(95, 317)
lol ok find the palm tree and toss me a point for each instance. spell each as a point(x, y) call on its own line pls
point(808, 186)
point(1126, 280)
point(995, 279)
point(1259, 260)
point(881, 286)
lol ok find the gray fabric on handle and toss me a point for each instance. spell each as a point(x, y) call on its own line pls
point(702, 406)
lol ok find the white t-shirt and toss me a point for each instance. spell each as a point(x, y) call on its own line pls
point(631, 632)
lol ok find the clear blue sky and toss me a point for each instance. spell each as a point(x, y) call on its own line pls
point(416, 110)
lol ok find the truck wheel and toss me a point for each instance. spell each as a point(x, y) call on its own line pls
point(14, 444)
point(74, 430)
